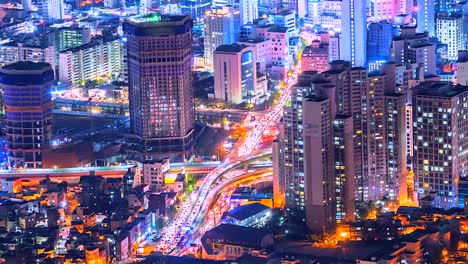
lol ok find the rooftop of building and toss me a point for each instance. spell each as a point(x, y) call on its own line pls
point(440, 89)
point(284, 13)
point(234, 235)
point(278, 29)
point(231, 48)
point(152, 259)
point(27, 66)
point(155, 18)
point(253, 41)
point(245, 211)
point(94, 42)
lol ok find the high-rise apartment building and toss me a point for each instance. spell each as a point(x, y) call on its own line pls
point(159, 55)
point(425, 17)
point(222, 27)
point(28, 111)
point(329, 17)
point(70, 37)
point(315, 57)
point(13, 52)
point(294, 144)
point(51, 10)
point(101, 58)
point(441, 150)
point(286, 19)
point(450, 32)
point(412, 47)
point(353, 32)
point(395, 145)
point(235, 74)
point(376, 137)
point(318, 163)
point(379, 39)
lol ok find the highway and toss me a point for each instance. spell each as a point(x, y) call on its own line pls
point(192, 211)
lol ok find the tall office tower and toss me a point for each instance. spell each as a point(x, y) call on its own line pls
point(425, 17)
point(353, 32)
point(441, 148)
point(144, 6)
point(70, 37)
point(13, 52)
point(412, 47)
point(379, 39)
point(403, 7)
point(376, 145)
point(299, 6)
point(26, 5)
point(248, 10)
point(286, 19)
point(334, 47)
point(159, 49)
point(235, 74)
point(100, 58)
point(195, 8)
point(222, 26)
point(344, 172)
point(382, 10)
point(315, 57)
point(313, 12)
point(28, 106)
point(51, 10)
point(330, 15)
point(294, 144)
point(450, 32)
point(395, 144)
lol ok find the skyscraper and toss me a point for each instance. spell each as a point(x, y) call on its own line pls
point(28, 107)
point(353, 32)
point(425, 17)
point(450, 32)
point(51, 10)
point(222, 26)
point(441, 149)
point(159, 54)
point(379, 39)
point(235, 73)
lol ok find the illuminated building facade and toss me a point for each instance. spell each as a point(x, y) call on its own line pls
point(450, 32)
point(195, 8)
point(70, 37)
point(222, 27)
point(51, 10)
point(159, 54)
point(315, 57)
point(441, 150)
point(395, 141)
point(99, 59)
point(235, 74)
point(353, 32)
point(425, 17)
point(379, 39)
point(13, 52)
point(28, 109)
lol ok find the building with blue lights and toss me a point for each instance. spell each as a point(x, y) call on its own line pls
point(28, 108)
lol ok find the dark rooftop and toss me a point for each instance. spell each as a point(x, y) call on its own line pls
point(231, 48)
point(246, 211)
point(26, 66)
point(234, 235)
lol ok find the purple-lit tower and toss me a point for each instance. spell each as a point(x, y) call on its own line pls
point(28, 107)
